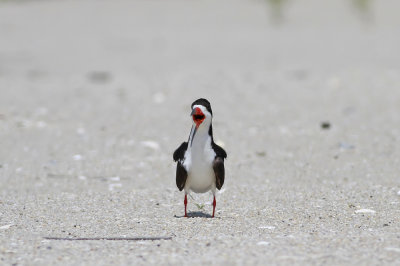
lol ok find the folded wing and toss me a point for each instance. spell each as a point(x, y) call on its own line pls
point(181, 173)
point(218, 165)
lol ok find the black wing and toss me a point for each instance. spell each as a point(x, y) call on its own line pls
point(179, 154)
point(218, 165)
point(219, 151)
point(181, 173)
point(219, 171)
point(181, 176)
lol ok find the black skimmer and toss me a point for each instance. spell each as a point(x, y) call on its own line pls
point(200, 162)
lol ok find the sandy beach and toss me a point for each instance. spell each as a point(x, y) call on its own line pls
point(95, 97)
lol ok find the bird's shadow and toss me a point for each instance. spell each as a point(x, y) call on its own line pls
point(195, 215)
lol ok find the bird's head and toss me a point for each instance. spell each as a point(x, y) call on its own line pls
point(201, 113)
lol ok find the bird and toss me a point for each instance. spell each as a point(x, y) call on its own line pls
point(200, 161)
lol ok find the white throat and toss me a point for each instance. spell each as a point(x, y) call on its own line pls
point(200, 138)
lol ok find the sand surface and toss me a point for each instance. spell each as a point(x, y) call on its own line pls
point(95, 97)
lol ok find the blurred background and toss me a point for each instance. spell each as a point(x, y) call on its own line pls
point(94, 88)
point(113, 80)
point(170, 36)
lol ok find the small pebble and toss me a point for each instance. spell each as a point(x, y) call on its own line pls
point(115, 178)
point(77, 157)
point(346, 146)
point(325, 125)
point(99, 76)
point(80, 131)
point(365, 211)
point(5, 227)
point(151, 144)
point(270, 227)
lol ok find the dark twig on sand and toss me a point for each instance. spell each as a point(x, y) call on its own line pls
point(109, 238)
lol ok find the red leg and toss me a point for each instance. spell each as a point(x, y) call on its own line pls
point(214, 204)
point(185, 202)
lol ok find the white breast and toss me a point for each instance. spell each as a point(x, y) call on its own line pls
point(198, 162)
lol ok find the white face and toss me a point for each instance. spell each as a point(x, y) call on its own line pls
point(201, 117)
